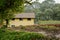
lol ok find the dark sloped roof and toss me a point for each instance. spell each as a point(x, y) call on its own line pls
point(25, 15)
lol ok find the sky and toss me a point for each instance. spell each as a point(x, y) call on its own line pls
point(57, 1)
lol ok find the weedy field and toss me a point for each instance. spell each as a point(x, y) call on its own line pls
point(49, 22)
point(14, 35)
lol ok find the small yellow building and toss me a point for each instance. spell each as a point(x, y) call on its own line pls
point(23, 19)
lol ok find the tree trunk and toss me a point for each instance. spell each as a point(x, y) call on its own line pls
point(7, 22)
point(1, 23)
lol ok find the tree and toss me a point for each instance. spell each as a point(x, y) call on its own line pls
point(50, 10)
point(7, 7)
point(56, 10)
point(48, 14)
point(47, 4)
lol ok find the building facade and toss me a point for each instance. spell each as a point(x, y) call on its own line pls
point(22, 19)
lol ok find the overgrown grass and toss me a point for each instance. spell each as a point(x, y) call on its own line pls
point(13, 35)
point(49, 22)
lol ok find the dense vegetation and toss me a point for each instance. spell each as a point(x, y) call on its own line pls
point(9, 7)
point(13, 35)
point(47, 10)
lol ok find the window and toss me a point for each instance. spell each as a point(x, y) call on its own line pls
point(12, 25)
point(29, 19)
point(13, 19)
point(21, 19)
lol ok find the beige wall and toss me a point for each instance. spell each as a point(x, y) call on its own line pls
point(23, 22)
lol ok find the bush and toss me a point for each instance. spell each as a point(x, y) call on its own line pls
point(3, 27)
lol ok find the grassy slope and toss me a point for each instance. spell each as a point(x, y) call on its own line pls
point(49, 22)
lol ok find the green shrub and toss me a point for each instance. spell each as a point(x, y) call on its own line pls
point(3, 27)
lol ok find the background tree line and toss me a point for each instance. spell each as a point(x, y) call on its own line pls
point(47, 10)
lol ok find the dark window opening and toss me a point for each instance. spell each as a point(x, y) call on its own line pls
point(20, 19)
point(13, 19)
point(29, 19)
point(12, 25)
